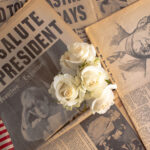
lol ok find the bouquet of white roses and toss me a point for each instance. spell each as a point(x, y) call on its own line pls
point(82, 79)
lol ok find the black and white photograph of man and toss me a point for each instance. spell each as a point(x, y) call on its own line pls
point(39, 114)
point(111, 132)
point(133, 49)
point(110, 6)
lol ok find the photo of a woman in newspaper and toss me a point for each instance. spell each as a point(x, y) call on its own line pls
point(38, 114)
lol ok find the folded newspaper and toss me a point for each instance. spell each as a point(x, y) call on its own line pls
point(124, 47)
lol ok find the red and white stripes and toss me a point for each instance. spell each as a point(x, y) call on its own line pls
point(5, 140)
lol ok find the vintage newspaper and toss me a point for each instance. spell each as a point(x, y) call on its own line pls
point(105, 8)
point(30, 48)
point(77, 13)
point(88, 113)
point(124, 47)
point(27, 78)
point(98, 132)
point(8, 8)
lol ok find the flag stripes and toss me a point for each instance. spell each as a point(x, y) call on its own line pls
point(5, 140)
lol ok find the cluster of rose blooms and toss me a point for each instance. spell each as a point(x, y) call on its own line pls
point(82, 79)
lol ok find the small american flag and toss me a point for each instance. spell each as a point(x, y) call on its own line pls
point(5, 140)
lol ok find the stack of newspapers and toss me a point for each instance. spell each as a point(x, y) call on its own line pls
point(33, 36)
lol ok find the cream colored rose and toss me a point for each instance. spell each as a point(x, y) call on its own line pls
point(104, 101)
point(67, 92)
point(93, 78)
point(77, 54)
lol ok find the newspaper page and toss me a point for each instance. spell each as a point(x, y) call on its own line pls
point(8, 8)
point(124, 46)
point(30, 48)
point(77, 13)
point(105, 8)
point(123, 111)
point(99, 132)
point(86, 114)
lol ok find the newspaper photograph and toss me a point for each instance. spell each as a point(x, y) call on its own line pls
point(31, 46)
point(30, 114)
point(8, 8)
point(99, 132)
point(124, 50)
point(77, 13)
point(107, 7)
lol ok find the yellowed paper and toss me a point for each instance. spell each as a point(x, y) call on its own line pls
point(105, 8)
point(123, 44)
point(8, 8)
point(77, 13)
point(76, 138)
point(30, 49)
point(107, 131)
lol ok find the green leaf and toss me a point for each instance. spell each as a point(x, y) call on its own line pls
point(108, 81)
point(83, 65)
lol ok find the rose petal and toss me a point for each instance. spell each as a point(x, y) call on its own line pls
point(105, 101)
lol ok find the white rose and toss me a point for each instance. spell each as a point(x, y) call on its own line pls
point(93, 78)
point(105, 101)
point(66, 91)
point(75, 56)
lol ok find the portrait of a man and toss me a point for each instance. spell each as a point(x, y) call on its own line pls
point(40, 114)
point(110, 6)
point(111, 132)
point(133, 49)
